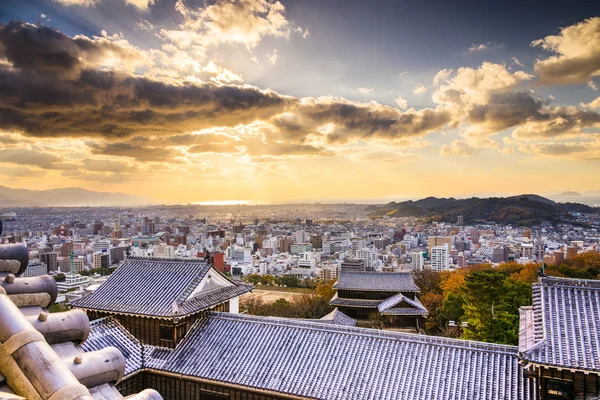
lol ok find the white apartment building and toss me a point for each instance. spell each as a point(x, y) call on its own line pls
point(308, 260)
point(368, 256)
point(527, 250)
point(417, 261)
point(35, 268)
point(439, 258)
point(164, 250)
point(358, 244)
point(100, 245)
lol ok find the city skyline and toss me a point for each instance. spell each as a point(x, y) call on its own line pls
point(267, 102)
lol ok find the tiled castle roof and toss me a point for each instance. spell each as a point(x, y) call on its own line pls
point(158, 287)
point(566, 324)
point(377, 281)
point(325, 361)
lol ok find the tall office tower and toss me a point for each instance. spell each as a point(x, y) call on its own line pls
point(51, 261)
point(459, 220)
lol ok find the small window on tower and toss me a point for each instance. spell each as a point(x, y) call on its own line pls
point(166, 333)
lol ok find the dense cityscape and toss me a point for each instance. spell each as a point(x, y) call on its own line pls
point(299, 200)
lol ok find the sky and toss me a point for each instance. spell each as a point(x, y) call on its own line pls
point(194, 101)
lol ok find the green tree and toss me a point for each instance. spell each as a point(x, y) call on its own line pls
point(288, 281)
point(252, 278)
point(491, 304)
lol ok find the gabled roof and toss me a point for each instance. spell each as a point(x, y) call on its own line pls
point(377, 281)
point(337, 317)
point(401, 305)
point(566, 324)
point(325, 361)
point(159, 287)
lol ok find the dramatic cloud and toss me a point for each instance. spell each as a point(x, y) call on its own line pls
point(272, 58)
point(45, 51)
point(476, 86)
point(557, 122)
point(239, 21)
point(516, 61)
point(54, 93)
point(577, 50)
point(504, 110)
point(592, 85)
point(136, 151)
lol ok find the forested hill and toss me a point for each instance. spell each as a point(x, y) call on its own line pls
point(526, 209)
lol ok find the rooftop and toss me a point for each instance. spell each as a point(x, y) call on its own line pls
point(167, 287)
point(325, 361)
point(566, 324)
point(377, 281)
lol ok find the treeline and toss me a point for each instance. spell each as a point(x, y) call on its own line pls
point(310, 306)
point(290, 281)
point(487, 299)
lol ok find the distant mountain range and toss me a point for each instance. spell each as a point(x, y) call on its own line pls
point(525, 209)
point(65, 197)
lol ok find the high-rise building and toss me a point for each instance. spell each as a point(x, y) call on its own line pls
point(368, 256)
point(65, 249)
point(285, 244)
point(101, 260)
point(316, 241)
point(571, 251)
point(382, 242)
point(417, 261)
point(35, 268)
point(51, 261)
point(358, 243)
point(460, 220)
point(439, 258)
point(433, 241)
point(500, 254)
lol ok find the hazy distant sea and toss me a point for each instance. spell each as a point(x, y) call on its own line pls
point(593, 201)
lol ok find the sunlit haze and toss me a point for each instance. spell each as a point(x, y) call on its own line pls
point(260, 101)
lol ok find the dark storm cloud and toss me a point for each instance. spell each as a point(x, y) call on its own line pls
point(61, 90)
point(504, 110)
point(53, 93)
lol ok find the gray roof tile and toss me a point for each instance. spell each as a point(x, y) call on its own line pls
point(566, 324)
point(332, 362)
point(157, 287)
point(106, 332)
point(377, 281)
